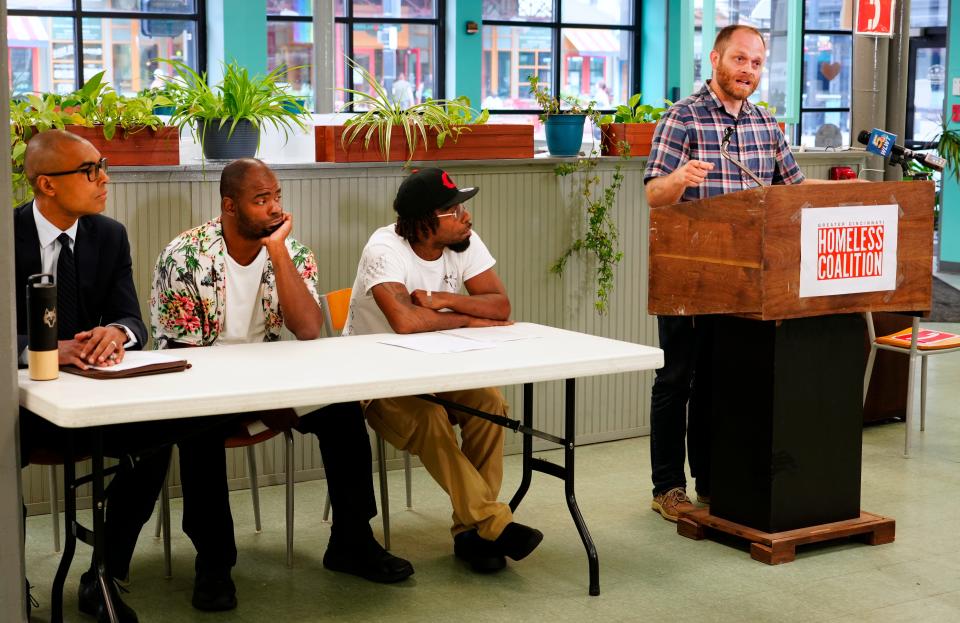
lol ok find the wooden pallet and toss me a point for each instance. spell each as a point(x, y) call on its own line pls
point(779, 547)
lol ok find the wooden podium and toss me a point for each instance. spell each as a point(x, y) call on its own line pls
point(787, 370)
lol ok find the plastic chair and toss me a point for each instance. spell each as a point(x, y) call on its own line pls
point(248, 442)
point(335, 306)
point(913, 343)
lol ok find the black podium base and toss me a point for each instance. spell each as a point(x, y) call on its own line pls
point(787, 421)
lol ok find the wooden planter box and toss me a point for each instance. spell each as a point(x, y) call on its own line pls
point(478, 142)
point(146, 147)
point(638, 135)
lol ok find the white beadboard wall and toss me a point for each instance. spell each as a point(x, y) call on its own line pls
point(525, 214)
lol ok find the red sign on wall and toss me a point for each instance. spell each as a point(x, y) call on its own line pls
point(875, 17)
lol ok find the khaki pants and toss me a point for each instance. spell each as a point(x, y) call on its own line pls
point(471, 474)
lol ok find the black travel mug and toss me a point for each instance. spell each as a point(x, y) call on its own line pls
point(42, 327)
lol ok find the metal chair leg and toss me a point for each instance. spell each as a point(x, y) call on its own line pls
point(384, 493)
point(164, 519)
point(254, 486)
point(923, 393)
point(911, 370)
point(326, 506)
point(54, 506)
point(408, 479)
point(288, 464)
point(869, 373)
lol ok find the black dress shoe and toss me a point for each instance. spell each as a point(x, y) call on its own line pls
point(214, 591)
point(90, 600)
point(482, 554)
point(517, 540)
point(366, 559)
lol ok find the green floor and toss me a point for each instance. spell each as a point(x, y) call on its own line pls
point(648, 572)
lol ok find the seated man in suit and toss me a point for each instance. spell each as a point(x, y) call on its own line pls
point(237, 279)
point(408, 281)
point(63, 233)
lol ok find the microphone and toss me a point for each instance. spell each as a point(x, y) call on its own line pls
point(884, 144)
point(726, 154)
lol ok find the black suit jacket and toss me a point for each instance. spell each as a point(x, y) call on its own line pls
point(104, 273)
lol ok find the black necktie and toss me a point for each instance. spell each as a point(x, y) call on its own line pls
point(67, 299)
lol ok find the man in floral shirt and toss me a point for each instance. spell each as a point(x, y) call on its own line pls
point(241, 278)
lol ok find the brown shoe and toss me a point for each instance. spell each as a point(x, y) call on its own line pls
point(672, 504)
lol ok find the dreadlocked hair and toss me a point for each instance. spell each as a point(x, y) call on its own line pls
point(413, 229)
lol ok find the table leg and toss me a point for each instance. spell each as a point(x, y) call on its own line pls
point(527, 472)
point(70, 535)
point(570, 432)
point(99, 534)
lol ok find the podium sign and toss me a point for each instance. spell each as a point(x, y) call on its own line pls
point(850, 249)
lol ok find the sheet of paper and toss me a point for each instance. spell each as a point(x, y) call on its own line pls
point(133, 359)
point(510, 333)
point(436, 343)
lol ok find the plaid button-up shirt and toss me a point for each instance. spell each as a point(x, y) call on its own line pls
point(693, 128)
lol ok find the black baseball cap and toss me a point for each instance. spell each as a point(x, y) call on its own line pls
point(427, 190)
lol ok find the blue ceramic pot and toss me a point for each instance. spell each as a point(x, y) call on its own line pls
point(564, 134)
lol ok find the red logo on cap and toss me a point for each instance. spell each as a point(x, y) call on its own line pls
point(447, 181)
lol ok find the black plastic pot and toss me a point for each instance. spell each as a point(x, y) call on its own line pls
point(220, 144)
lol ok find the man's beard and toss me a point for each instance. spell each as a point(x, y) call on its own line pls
point(252, 231)
point(460, 247)
point(727, 83)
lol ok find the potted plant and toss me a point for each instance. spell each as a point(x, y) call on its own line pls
point(563, 126)
point(226, 119)
point(632, 125)
point(431, 130)
point(124, 129)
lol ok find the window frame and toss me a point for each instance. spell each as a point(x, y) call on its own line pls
point(78, 14)
point(438, 21)
point(801, 109)
point(556, 25)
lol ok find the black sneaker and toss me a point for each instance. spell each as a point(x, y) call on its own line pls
point(366, 559)
point(517, 540)
point(90, 600)
point(482, 554)
point(214, 591)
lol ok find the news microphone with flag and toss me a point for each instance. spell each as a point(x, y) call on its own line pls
point(884, 144)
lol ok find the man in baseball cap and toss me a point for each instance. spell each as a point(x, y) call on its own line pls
point(409, 280)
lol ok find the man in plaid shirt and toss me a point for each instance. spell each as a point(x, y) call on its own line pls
point(685, 165)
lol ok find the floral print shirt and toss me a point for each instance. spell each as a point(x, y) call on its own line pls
point(189, 293)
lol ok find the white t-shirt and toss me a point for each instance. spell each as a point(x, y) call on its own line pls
point(243, 321)
point(390, 258)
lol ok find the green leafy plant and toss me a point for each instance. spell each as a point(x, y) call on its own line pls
point(377, 114)
point(239, 96)
point(635, 112)
point(551, 105)
point(948, 146)
point(601, 238)
point(95, 104)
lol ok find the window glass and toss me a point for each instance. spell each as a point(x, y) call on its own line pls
point(597, 11)
point(928, 88)
point(828, 15)
point(596, 65)
point(43, 5)
point(128, 49)
point(518, 10)
point(928, 13)
point(825, 129)
point(511, 55)
point(401, 57)
point(137, 6)
point(827, 70)
point(292, 8)
point(394, 8)
point(290, 44)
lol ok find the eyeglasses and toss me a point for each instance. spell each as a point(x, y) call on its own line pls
point(458, 211)
point(91, 169)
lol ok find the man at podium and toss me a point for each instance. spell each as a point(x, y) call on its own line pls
point(696, 150)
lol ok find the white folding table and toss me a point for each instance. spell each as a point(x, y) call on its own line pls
point(252, 377)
